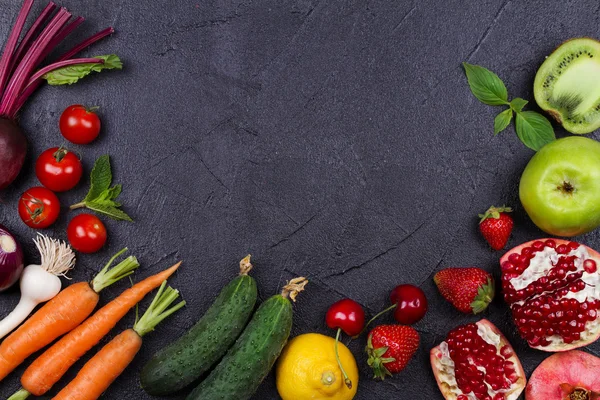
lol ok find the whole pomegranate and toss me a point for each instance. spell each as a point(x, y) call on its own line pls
point(553, 289)
point(476, 362)
point(572, 375)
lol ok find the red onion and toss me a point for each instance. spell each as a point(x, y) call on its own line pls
point(11, 259)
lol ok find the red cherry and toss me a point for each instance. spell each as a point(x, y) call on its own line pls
point(346, 315)
point(411, 304)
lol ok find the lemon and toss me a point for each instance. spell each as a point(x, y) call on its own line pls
point(307, 370)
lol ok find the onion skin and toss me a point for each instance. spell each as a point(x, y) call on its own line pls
point(13, 147)
point(11, 263)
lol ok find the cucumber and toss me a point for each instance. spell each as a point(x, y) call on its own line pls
point(249, 361)
point(185, 360)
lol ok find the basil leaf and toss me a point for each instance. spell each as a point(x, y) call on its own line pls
point(486, 85)
point(534, 129)
point(72, 73)
point(502, 120)
point(518, 103)
point(100, 178)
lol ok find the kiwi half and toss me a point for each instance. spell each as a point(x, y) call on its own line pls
point(567, 85)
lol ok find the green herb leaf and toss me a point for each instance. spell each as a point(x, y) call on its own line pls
point(534, 129)
point(486, 85)
point(101, 197)
point(502, 120)
point(518, 103)
point(73, 73)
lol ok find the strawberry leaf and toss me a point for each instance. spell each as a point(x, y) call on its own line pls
point(485, 295)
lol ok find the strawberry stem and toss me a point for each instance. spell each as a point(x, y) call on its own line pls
point(347, 380)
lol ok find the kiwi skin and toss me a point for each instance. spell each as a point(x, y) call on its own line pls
point(561, 109)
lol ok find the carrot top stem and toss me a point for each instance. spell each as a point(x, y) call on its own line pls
point(107, 276)
point(20, 395)
point(158, 310)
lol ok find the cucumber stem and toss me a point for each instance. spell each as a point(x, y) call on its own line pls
point(107, 277)
point(245, 266)
point(294, 287)
point(390, 308)
point(347, 380)
point(158, 309)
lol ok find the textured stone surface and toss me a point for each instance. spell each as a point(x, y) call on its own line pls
point(333, 139)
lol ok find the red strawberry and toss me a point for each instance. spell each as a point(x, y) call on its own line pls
point(390, 348)
point(470, 290)
point(496, 226)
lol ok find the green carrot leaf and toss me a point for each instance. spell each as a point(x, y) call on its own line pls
point(534, 129)
point(486, 85)
point(502, 120)
point(73, 73)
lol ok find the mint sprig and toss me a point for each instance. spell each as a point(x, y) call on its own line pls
point(532, 128)
point(71, 74)
point(101, 197)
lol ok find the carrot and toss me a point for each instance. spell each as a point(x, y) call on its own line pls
point(106, 366)
point(48, 368)
point(60, 315)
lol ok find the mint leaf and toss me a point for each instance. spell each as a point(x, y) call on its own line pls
point(502, 120)
point(486, 85)
point(534, 129)
point(101, 197)
point(518, 103)
point(73, 73)
point(100, 178)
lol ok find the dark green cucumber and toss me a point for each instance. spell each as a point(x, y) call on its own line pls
point(249, 361)
point(185, 360)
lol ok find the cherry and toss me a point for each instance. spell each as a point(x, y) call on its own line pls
point(410, 304)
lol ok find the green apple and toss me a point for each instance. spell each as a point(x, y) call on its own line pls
point(560, 187)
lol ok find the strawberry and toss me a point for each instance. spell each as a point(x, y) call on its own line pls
point(390, 348)
point(496, 226)
point(470, 290)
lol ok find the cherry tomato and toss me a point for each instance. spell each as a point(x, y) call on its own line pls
point(86, 233)
point(346, 315)
point(39, 207)
point(79, 125)
point(58, 169)
point(411, 304)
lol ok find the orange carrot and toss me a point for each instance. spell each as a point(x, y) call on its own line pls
point(106, 366)
point(48, 368)
point(60, 315)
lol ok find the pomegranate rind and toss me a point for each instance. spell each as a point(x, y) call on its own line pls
point(574, 367)
point(594, 333)
point(446, 390)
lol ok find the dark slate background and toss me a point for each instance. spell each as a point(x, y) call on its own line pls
point(332, 139)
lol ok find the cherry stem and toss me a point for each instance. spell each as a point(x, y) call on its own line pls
point(390, 308)
point(347, 380)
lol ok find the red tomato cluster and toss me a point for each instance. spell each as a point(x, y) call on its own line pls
point(59, 170)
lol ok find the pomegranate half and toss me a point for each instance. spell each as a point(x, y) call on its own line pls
point(476, 362)
point(553, 289)
point(572, 375)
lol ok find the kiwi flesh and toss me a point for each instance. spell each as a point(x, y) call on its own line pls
point(567, 85)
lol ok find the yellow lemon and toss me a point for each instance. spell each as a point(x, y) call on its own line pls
point(308, 370)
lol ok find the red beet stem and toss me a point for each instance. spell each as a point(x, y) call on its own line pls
point(86, 43)
point(11, 43)
point(33, 32)
point(62, 34)
point(61, 64)
point(31, 60)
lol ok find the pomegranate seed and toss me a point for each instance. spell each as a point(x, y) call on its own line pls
point(562, 249)
point(514, 258)
point(463, 397)
point(550, 243)
point(499, 396)
point(506, 352)
point(590, 266)
point(574, 245)
point(527, 252)
point(538, 245)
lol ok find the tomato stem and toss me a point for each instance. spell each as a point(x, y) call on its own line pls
point(347, 380)
point(390, 308)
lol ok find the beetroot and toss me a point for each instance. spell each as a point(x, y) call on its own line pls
point(572, 375)
point(476, 362)
point(13, 147)
point(553, 289)
point(20, 74)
